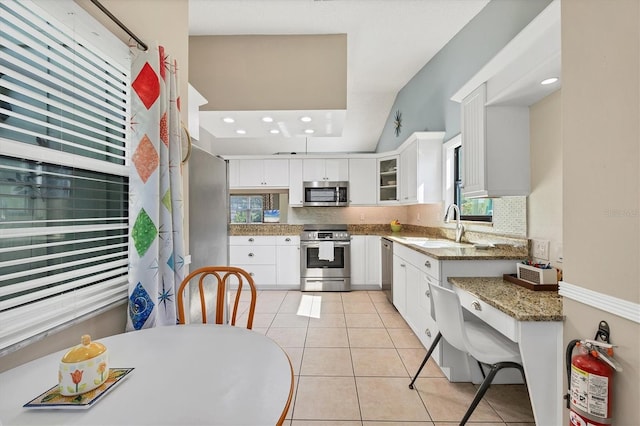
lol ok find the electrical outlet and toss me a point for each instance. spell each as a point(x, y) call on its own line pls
point(361, 217)
point(558, 253)
point(540, 249)
point(418, 218)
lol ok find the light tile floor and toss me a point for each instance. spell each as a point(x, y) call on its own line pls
point(353, 358)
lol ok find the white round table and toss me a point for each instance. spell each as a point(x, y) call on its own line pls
point(184, 375)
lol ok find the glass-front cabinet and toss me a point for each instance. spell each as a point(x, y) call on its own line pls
point(388, 179)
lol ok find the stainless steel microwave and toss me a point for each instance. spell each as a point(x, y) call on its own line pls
point(326, 194)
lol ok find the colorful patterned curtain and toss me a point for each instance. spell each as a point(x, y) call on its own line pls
point(156, 240)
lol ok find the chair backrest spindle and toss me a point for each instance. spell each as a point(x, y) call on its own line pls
point(222, 275)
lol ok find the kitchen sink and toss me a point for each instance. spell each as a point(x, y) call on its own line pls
point(431, 242)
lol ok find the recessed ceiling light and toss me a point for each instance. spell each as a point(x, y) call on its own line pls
point(309, 131)
point(228, 120)
point(549, 81)
point(267, 119)
point(305, 119)
point(241, 132)
point(274, 131)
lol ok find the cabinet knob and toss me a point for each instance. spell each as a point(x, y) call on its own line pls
point(287, 239)
point(251, 273)
point(476, 305)
point(427, 264)
point(251, 255)
point(427, 293)
point(251, 240)
point(427, 332)
point(402, 265)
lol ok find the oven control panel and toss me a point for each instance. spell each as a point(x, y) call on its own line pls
point(325, 236)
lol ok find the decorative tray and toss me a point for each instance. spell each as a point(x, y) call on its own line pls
point(52, 399)
point(512, 278)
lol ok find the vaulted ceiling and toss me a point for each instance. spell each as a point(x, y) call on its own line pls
point(387, 43)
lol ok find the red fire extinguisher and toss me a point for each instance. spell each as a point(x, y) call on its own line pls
point(590, 368)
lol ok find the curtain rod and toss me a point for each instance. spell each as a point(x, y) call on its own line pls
point(141, 45)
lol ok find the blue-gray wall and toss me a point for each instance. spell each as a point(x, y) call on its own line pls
point(424, 100)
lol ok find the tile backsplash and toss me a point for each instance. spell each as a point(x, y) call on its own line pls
point(509, 216)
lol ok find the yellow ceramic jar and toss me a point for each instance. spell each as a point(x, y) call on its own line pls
point(83, 367)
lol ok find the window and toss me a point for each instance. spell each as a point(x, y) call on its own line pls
point(478, 209)
point(64, 104)
point(256, 208)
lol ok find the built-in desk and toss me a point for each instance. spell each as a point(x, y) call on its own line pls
point(533, 319)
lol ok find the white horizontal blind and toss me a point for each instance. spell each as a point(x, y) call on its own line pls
point(64, 105)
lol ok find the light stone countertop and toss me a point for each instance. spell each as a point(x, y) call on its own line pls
point(468, 253)
point(500, 252)
point(516, 301)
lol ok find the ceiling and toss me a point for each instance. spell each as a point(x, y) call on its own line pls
point(388, 42)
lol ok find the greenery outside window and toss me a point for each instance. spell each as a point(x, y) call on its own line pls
point(477, 209)
point(257, 208)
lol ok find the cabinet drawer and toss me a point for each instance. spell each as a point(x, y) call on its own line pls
point(425, 263)
point(288, 240)
point(430, 266)
point(263, 275)
point(252, 255)
point(266, 240)
point(498, 320)
point(425, 293)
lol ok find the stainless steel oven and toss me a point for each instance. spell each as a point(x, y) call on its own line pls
point(325, 258)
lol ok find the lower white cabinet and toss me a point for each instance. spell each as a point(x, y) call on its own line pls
point(400, 284)
point(268, 259)
point(412, 273)
point(288, 262)
point(365, 262)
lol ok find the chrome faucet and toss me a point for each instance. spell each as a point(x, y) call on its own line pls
point(459, 226)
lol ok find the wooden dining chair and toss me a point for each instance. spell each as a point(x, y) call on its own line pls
point(209, 276)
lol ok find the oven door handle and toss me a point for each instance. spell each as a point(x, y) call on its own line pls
point(316, 244)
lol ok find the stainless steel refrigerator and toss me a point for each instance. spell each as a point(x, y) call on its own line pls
point(208, 209)
point(208, 223)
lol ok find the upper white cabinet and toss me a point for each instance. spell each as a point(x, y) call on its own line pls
point(495, 108)
point(421, 168)
point(330, 169)
point(296, 192)
point(362, 181)
point(409, 173)
point(495, 148)
point(259, 173)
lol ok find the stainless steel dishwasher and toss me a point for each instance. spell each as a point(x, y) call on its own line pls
point(386, 246)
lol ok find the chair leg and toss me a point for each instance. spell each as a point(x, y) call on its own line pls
point(484, 376)
point(426, 358)
point(485, 386)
